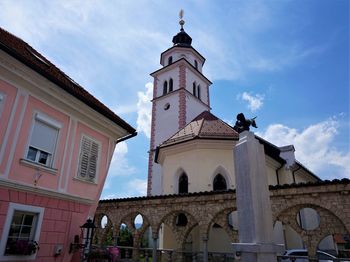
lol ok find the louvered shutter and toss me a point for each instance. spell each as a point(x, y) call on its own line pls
point(88, 159)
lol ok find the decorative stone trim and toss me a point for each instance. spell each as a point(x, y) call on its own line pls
point(44, 192)
point(153, 130)
point(182, 96)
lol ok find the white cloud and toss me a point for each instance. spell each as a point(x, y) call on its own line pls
point(137, 187)
point(120, 165)
point(133, 188)
point(255, 102)
point(313, 147)
point(144, 110)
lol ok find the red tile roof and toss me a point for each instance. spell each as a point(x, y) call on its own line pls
point(204, 126)
point(23, 52)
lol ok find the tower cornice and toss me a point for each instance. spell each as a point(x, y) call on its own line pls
point(174, 48)
point(178, 63)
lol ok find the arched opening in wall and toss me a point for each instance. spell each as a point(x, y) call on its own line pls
point(199, 91)
point(181, 220)
point(165, 87)
point(278, 233)
point(232, 220)
point(196, 64)
point(170, 60)
point(171, 84)
point(308, 218)
point(192, 244)
point(138, 221)
point(219, 183)
point(183, 184)
point(194, 89)
point(218, 242)
point(125, 239)
point(105, 234)
point(104, 221)
point(328, 245)
point(166, 239)
point(291, 239)
point(146, 239)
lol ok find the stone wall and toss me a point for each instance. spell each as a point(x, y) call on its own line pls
point(330, 199)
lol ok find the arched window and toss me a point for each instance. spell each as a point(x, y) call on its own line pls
point(165, 87)
point(170, 85)
point(196, 64)
point(183, 184)
point(170, 60)
point(194, 88)
point(219, 183)
point(199, 91)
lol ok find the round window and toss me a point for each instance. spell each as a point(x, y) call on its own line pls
point(166, 106)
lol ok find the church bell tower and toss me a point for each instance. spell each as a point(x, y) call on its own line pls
point(180, 93)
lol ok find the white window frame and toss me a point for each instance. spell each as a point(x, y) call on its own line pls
point(6, 230)
point(97, 161)
point(38, 116)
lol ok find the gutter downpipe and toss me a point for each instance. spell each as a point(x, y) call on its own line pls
point(277, 175)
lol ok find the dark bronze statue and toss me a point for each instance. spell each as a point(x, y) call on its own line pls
point(243, 124)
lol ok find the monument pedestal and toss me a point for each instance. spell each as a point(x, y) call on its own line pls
point(255, 226)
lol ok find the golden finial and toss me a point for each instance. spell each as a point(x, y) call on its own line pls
point(181, 22)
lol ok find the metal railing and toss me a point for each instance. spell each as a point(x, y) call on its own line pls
point(310, 259)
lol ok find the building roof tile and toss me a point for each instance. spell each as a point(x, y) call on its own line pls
point(20, 50)
point(204, 126)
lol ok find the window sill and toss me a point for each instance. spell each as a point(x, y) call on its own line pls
point(85, 181)
point(29, 163)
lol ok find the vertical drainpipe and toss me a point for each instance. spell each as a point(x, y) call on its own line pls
point(277, 175)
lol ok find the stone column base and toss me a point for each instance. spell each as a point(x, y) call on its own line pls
point(257, 252)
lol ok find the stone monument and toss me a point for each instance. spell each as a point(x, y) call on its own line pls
point(255, 225)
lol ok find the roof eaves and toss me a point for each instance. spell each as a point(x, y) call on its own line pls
point(308, 170)
point(85, 97)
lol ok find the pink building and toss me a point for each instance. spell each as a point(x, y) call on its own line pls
point(56, 144)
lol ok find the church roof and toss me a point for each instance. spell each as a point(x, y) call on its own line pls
point(182, 39)
point(24, 53)
point(204, 126)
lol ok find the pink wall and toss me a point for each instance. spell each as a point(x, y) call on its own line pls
point(69, 139)
point(62, 218)
point(61, 221)
point(26, 174)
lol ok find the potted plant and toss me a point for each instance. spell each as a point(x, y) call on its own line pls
point(22, 248)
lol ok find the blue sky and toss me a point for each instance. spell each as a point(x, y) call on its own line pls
point(286, 62)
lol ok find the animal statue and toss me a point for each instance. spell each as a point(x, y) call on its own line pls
point(243, 124)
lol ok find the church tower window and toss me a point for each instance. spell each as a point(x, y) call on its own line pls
point(171, 85)
point(219, 183)
point(170, 60)
point(196, 64)
point(183, 184)
point(194, 88)
point(199, 91)
point(165, 87)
